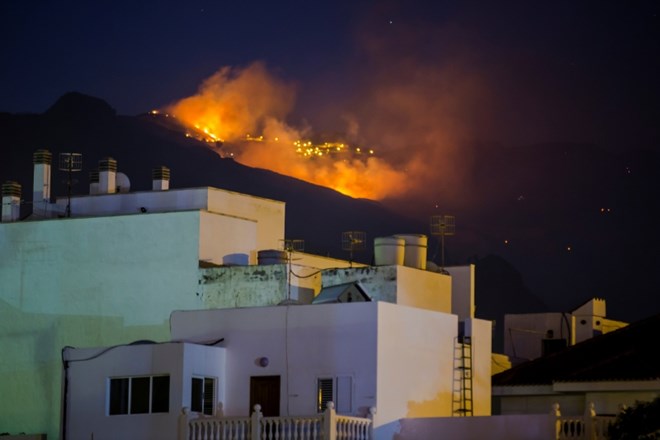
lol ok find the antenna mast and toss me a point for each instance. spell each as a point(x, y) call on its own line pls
point(70, 162)
point(443, 225)
point(352, 241)
point(290, 246)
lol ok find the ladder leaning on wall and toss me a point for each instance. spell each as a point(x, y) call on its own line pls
point(462, 379)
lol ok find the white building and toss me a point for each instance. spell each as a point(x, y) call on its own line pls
point(109, 268)
point(529, 336)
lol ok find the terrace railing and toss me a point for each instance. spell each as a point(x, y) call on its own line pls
point(324, 426)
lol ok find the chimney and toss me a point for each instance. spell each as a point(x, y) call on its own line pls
point(41, 183)
point(93, 182)
point(160, 178)
point(107, 176)
point(11, 201)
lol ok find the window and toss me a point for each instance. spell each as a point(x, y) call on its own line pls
point(337, 389)
point(202, 396)
point(139, 395)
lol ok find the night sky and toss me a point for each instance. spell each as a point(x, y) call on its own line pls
point(515, 72)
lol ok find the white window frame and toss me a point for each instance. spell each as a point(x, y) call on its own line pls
point(213, 399)
point(130, 394)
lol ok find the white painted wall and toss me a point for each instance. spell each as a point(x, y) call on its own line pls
point(400, 358)
point(480, 332)
point(268, 214)
point(103, 266)
point(462, 291)
point(302, 343)
point(222, 236)
point(415, 363)
point(95, 281)
point(88, 379)
point(523, 333)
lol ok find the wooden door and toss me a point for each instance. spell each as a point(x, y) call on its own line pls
point(265, 391)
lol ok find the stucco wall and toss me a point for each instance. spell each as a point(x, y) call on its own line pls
point(269, 214)
point(480, 332)
point(415, 363)
point(462, 291)
point(301, 342)
point(85, 282)
point(224, 236)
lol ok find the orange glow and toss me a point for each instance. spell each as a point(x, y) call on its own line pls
point(234, 104)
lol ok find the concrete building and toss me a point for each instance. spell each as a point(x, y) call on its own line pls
point(290, 359)
point(532, 335)
point(109, 268)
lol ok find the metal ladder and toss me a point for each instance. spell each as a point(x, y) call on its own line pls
point(462, 379)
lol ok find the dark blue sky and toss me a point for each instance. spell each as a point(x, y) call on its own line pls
point(509, 71)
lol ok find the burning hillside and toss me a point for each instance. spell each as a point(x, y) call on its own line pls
point(241, 113)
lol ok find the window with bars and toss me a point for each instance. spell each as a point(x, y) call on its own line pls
point(139, 395)
point(339, 390)
point(202, 396)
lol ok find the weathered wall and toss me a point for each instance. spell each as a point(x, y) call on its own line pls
point(243, 286)
point(398, 285)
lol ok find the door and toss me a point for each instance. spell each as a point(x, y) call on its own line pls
point(265, 391)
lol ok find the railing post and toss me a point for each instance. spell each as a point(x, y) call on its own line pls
point(330, 422)
point(255, 423)
point(555, 422)
point(371, 416)
point(589, 421)
point(184, 420)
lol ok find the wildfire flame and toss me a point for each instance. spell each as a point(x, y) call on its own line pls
point(233, 104)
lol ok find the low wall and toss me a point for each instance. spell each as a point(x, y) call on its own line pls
point(509, 427)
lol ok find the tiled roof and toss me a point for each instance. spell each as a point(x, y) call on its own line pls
point(629, 353)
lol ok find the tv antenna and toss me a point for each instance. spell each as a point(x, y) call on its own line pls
point(353, 241)
point(443, 225)
point(70, 162)
point(290, 246)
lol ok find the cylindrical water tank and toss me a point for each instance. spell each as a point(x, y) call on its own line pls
point(389, 251)
point(415, 250)
point(271, 256)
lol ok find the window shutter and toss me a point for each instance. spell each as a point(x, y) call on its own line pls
point(324, 393)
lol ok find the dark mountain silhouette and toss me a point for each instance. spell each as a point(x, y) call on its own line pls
point(554, 224)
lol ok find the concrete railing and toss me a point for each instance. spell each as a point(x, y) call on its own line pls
point(588, 426)
point(327, 426)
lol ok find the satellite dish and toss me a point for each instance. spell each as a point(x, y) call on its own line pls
point(123, 183)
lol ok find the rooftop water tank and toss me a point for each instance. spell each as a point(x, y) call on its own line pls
point(415, 250)
point(389, 251)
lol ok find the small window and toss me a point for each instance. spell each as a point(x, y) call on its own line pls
point(337, 389)
point(202, 396)
point(324, 393)
point(139, 395)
